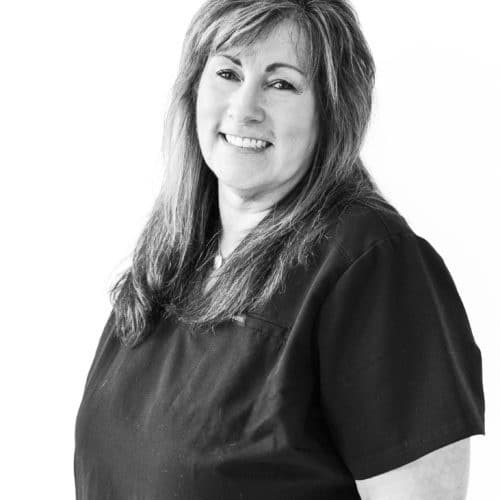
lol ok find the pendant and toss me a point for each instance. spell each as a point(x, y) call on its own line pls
point(218, 261)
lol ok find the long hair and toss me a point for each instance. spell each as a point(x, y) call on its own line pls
point(175, 250)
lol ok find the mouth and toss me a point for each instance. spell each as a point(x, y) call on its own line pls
point(242, 148)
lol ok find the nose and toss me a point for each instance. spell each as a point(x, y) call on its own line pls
point(245, 104)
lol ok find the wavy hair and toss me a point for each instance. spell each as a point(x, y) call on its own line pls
point(175, 250)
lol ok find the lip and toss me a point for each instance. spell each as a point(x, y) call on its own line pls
point(248, 137)
point(241, 149)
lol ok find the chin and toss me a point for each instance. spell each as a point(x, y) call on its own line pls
point(245, 187)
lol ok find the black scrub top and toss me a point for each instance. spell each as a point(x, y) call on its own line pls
point(363, 362)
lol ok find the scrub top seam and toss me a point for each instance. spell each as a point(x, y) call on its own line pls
point(367, 250)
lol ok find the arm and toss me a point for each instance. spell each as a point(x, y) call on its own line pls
point(440, 475)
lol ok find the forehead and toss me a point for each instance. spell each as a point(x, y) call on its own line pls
point(284, 43)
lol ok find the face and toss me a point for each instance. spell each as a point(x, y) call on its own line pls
point(244, 92)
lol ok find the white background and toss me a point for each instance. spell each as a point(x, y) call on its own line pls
point(83, 93)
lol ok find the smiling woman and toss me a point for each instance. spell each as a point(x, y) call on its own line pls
point(282, 332)
point(250, 105)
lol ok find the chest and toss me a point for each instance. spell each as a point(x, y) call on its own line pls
point(205, 392)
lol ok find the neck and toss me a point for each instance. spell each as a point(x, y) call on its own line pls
point(238, 217)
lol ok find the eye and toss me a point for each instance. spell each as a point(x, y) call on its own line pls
point(287, 86)
point(225, 71)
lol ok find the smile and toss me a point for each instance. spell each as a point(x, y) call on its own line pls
point(245, 143)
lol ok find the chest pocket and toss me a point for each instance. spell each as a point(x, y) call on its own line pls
point(231, 393)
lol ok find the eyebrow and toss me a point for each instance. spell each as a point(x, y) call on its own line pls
point(269, 68)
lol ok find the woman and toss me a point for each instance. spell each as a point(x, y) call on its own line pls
point(282, 332)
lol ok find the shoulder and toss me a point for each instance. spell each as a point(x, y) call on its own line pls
point(359, 228)
point(359, 242)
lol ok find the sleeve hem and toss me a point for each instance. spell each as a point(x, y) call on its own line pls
point(364, 467)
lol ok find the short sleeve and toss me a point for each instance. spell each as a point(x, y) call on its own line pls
point(105, 347)
point(400, 372)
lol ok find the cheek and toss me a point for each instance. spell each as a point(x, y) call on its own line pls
point(299, 124)
point(299, 142)
point(203, 104)
point(210, 97)
point(300, 139)
point(209, 119)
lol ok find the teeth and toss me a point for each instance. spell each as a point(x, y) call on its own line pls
point(245, 143)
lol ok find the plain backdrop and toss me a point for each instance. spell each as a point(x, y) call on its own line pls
point(83, 93)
